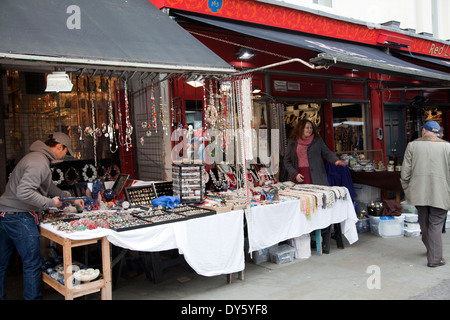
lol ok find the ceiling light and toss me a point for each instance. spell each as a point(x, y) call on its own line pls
point(58, 82)
point(256, 90)
point(245, 54)
point(196, 81)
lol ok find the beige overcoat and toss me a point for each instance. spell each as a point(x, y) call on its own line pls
point(425, 175)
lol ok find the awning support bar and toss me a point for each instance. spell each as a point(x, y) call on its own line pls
point(309, 65)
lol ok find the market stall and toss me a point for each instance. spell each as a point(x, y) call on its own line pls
point(211, 245)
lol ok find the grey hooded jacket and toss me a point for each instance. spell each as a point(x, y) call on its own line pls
point(30, 184)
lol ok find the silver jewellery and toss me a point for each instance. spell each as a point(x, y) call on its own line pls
point(61, 176)
point(129, 128)
point(93, 131)
point(110, 128)
point(93, 173)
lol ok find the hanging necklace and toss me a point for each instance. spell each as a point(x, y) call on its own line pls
point(162, 107)
point(94, 129)
point(152, 99)
point(146, 124)
point(80, 129)
point(119, 116)
point(129, 127)
point(110, 134)
point(211, 111)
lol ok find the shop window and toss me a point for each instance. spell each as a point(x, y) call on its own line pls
point(349, 123)
point(194, 113)
point(32, 114)
point(310, 111)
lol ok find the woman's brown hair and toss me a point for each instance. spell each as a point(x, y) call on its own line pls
point(300, 127)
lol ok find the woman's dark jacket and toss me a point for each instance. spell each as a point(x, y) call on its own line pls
point(316, 151)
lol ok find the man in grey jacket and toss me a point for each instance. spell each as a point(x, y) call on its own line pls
point(26, 195)
point(425, 178)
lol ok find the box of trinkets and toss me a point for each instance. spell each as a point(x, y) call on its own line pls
point(140, 195)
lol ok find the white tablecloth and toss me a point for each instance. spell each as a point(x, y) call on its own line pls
point(269, 225)
point(211, 245)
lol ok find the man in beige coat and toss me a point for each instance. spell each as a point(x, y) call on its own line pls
point(425, 178)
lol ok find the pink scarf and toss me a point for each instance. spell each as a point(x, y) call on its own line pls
point(302, 148)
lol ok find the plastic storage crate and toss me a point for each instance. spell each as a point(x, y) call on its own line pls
point(408, 208)
point(363, 225)
point(387, 227)
point(412, 229)
point(281, 254)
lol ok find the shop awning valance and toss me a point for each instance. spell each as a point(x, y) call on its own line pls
point(435, 61)
point(111, 34)
point(330, 51)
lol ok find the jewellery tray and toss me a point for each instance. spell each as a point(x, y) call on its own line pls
point(140, 196)
point(187, 211)
point(163, 188)
point(138, 226)
point(192, 212)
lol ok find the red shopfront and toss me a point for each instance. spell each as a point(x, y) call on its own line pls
point(346, 92)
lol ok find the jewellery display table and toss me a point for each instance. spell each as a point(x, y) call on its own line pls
point(212, 245)
point(271, 224)
point(68, 290)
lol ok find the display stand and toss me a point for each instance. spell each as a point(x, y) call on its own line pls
point(187, 182)
point(68, 290)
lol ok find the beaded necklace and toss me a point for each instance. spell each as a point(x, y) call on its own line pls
point(94, 129)
point(110, 131)
point(129, 127)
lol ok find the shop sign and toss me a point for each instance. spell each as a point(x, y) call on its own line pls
point(215, 5)
point(439, 50)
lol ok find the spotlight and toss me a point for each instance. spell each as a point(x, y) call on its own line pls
point(245, 54)
point(58, 82)
point(256, 90)
point(196, 81)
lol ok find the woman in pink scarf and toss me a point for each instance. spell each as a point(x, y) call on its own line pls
point(305, 153)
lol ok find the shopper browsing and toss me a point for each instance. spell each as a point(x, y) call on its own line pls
point(425, 178)
point(26, 194)
point(304, 153)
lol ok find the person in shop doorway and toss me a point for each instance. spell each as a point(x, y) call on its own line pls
point(304, 154)
point(29, 191)
point(425, 178)
point(304, 161)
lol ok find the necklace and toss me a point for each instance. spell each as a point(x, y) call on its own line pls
point(152, 98)
point(146, 124)
point(94, 129)
point(110, 130)
point(129, 127)
point(218, 183)
point(119, 115)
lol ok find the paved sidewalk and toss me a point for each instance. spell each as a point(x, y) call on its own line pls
point(342, 274)
point(348, 274)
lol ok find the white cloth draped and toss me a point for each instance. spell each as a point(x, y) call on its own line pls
point(268, 225)
point(211, 245)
